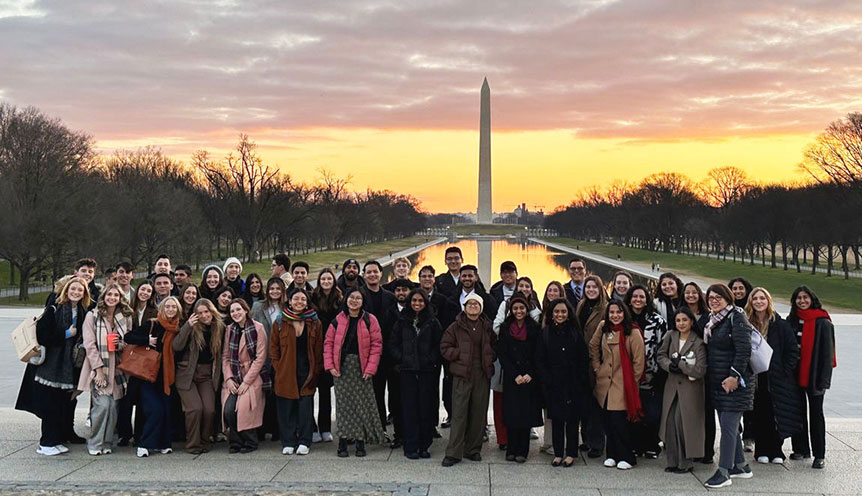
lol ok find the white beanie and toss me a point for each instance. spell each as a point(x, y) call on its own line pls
point(474, 296)
point(231, 260)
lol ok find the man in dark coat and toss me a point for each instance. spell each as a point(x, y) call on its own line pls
point(349, 277)
point(508, 283)
point(380, 303)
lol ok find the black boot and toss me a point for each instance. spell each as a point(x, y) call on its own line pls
point(342, 448)
point(360, 448)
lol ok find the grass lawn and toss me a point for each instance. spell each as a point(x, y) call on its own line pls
point(833, 291)
point(486, 229)
point(321, 259)
point(316, 260)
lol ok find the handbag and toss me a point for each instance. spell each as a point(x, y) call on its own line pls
point(25, 342)
point(140, 362)
point(761, 352)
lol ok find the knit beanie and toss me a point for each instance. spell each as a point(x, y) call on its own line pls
point(231, 260)
point(474, 296)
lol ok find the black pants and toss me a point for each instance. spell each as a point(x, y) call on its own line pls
point(271, 421)
point(295, 419)
point(54, 414)
point(645, 432)
point(386, 377)
point(618, 431)
point(238, 439)
point(324, 403)
point(815, 425)
point(749, 424)
point(564, 436)
point(447, 392)
point(767, 442)
point(519, 441)
point(418, 405)
point(592, 425)
point(124, 415)
point(178, 418)
point(156, 405)
point(709, 427)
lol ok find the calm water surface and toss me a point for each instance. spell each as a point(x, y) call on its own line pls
point(538, 262)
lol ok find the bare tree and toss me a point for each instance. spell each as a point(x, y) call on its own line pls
point(836, 155)
point(41, 164)
point(725, 185)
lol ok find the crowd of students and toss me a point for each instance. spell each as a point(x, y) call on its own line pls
point(613, 370)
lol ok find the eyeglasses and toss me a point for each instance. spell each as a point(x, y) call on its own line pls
point(715, 298)
point(577, 269)
point(354, 298)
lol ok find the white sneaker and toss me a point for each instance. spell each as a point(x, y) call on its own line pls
point(315, 437)
point(143, 452)
point(287, 450)
point(778, 460)
point(62, 448)
point(302, 450)
point(610, 463)
point(762, 459)
point(624, 465)
point(93, 452)
point(166, 451)
point(327, 437)
point(107, 451)
point(48, 450)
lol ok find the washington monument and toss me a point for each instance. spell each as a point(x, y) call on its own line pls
point(483, 212)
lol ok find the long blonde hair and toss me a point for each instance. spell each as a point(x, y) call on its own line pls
point(63, 297)
point(217, 328)
point(123, 306)
point(751, 313)
point(162, 314)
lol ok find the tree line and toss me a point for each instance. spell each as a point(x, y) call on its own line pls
point(792, 225)
point(61, 200)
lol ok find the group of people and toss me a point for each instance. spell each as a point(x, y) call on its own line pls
point(614, 370)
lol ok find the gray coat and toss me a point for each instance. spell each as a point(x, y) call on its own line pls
point(690, 392)
point(186, 366)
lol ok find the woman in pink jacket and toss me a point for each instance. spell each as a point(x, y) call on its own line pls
point(243, 356)
point(351, 353)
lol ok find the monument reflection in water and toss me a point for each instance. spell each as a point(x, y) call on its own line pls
point(540, 263)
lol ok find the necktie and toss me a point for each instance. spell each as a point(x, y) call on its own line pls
point(577, 292)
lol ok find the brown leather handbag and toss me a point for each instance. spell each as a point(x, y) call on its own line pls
point(141, 362)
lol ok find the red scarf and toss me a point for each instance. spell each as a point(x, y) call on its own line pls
point(809, 327)
point(518, 333)
point(634, 409)
point(171, 328)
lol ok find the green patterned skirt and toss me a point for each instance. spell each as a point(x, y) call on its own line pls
point(356, 414)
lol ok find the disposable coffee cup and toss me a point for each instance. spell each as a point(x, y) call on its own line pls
point(112, 341)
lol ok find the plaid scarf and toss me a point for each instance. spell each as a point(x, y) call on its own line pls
point(102, 332)
point(250, 333)
point(715, 318)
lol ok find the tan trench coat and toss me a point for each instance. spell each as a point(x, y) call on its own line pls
point(691, 393)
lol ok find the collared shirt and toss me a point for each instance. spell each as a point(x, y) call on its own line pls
point(578, 289)
point(456, 278)
point(508, 292)
point(464, 296)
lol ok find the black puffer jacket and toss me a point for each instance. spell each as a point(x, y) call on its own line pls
point(787, 402)
point(414, 352)
point(729, 350)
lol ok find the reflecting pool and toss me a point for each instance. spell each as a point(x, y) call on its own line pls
point(539, 262)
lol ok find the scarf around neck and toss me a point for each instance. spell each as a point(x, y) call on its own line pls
point(290, 315)
point(634, 409)
point(518, 333)
point(809, 329)
point(171, 328)
point(235, 334)
point(715, 318)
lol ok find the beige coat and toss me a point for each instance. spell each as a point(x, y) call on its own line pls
point(605, 359)
point(690, 393)
point(249, 406)
point(93, 361)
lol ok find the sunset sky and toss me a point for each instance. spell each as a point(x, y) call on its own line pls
point(582, 92)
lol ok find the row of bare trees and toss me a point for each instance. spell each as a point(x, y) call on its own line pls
point(60, 200)
point(729, 215)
